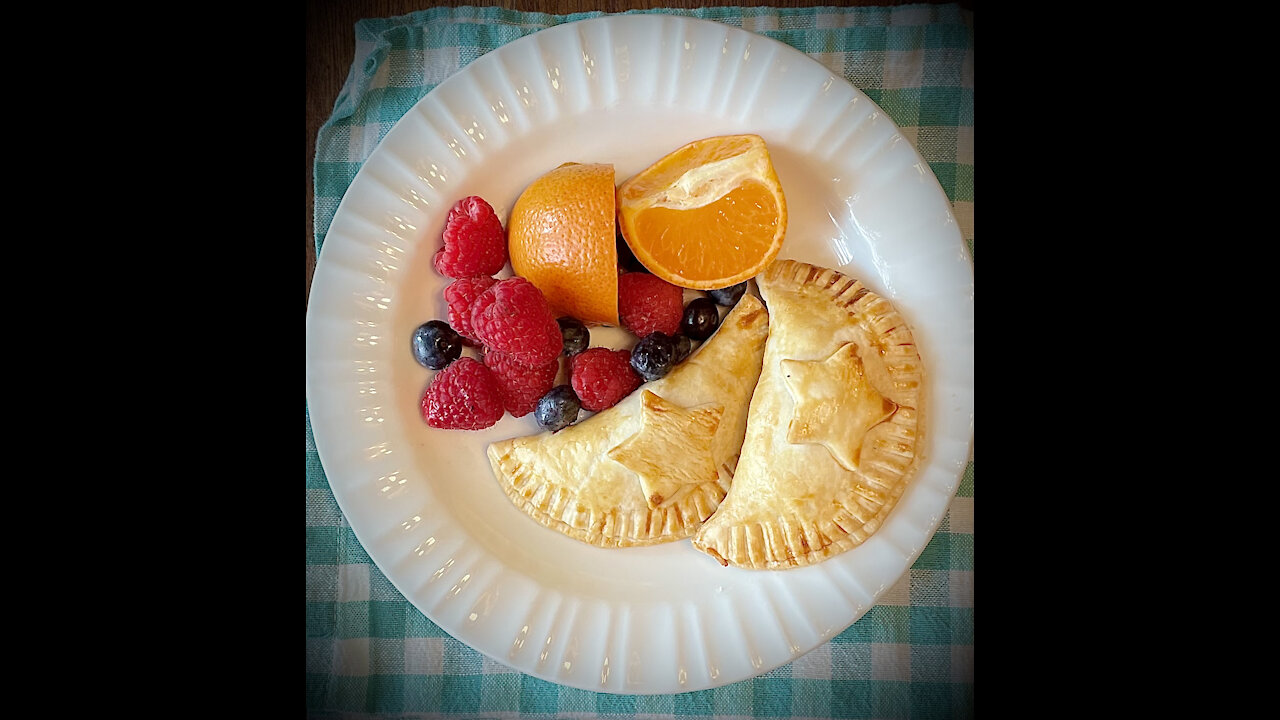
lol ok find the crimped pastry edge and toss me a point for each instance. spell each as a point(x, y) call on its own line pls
point(748, 545)
point(550, 507)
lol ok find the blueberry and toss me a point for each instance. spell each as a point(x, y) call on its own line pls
point(684, 346)
point(435, 344)
point(558, 409)
point(576, 335)
point(701, 318)
point(729, 296)
point(653, 356)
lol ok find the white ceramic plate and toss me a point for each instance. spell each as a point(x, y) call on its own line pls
point(623, 90)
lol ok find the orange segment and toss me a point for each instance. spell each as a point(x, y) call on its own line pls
point(708, 215)
point(561, 237)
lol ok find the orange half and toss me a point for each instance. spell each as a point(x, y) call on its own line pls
point(708, 215)
point(561, 237)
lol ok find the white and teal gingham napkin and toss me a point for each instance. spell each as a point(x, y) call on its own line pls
point(372, 653)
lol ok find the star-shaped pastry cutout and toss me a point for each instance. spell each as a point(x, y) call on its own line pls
point(835, 404)
point(672, 449)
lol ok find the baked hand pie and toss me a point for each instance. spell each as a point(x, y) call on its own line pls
point(833, 432)
point(653, 467)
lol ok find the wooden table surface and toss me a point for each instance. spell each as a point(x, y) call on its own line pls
point(331, 46)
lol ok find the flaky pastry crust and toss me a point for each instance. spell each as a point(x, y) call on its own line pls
point(654, 467)
point(834, 429)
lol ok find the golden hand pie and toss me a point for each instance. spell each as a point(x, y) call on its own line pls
point(653, 467)
point(833, 432)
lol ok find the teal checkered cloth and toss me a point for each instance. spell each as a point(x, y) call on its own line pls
point(372, 653)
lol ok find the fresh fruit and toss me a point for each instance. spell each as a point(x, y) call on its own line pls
point(474, 242)
point(463, 396)
point(684, 346)
point(459, 295)
point(701, 318)
point(577, 337)
point(561, 237)
point(558, 409)
point(435, 344)
point(521, 385)
point(513, 316)
point(647, 303)
point(654, 356)
point(708, 215)
point(601, 377)
point(728, 297)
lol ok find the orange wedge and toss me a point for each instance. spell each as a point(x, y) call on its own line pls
point(561, 237)
point(709, 215)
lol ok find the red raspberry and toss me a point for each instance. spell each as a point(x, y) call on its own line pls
point(460, 294)
point(522, 386)
point(474, 241)
point(514, 317)
point(601, 377)
point(463, 396)
point(647, 303)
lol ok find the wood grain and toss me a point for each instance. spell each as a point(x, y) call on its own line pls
point(330, 49)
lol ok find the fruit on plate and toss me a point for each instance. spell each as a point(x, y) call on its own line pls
point(513, 316)
point(602, 377)
point(522, 385)
point(459, 295)
point(708, 215)
point(647, 303)
point(463, 396)
point(474, 242)
point(435, 344)
point(562, 237)
point(558, 409)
